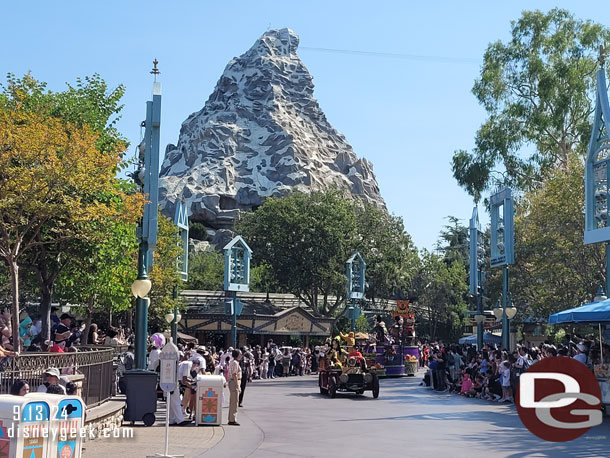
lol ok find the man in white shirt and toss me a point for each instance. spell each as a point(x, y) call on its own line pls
point(184, 374)
point(582, 353)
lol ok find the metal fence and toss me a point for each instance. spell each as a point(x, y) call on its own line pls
point(96, 363)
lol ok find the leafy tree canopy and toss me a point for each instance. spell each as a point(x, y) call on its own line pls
point(537, 89)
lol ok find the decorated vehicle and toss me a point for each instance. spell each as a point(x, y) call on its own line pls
point(354, 377)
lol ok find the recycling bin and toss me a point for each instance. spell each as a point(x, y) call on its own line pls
point(208, 408)
point(66, 422)
point(21, 416)
point(141, 391)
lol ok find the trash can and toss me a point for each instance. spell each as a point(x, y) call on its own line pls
point(66, 421)
point(141, 403)
point(20, 416)
point(208, 408)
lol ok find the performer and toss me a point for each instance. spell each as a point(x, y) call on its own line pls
point(381, 332)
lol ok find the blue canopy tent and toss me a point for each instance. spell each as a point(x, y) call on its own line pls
point(595, 312)
point(488, 338)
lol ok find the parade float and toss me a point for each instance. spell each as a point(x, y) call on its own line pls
point(395, 349)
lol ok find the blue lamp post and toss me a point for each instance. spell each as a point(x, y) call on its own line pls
point(236, 278)
point(356, 284)
point(597, 171)
point(147, 176)
point(502, 252)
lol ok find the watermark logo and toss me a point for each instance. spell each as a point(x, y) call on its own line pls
point(559, 399)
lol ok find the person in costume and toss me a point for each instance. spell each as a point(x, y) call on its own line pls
point(349, 339)
point(381, 332)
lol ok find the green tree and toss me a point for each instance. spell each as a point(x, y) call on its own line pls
point(206, 271)
point(54, 185)
point(164, 275)
point(390, 255)
point(537, 89)
point(305, 239)
point(441, 293)
point(100, 276)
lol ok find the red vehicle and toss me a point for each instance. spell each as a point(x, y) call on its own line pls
point(355, 378)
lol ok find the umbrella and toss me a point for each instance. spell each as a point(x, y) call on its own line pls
point(595, 312)
point(182, 336)
point(488, 338)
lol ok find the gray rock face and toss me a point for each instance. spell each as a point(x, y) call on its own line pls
point(261, 133)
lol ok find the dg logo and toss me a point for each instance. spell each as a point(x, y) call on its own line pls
point(559, 399)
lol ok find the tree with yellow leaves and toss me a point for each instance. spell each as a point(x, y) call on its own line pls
point(55, 187)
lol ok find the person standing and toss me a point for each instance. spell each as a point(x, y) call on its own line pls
point(246, 372)
point(235, 377)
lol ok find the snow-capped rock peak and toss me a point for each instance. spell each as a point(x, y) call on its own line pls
point(261, 133)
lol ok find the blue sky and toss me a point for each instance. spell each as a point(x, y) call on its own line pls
point(407, 116)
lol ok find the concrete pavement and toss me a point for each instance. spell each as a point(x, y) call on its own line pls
point(289, 418)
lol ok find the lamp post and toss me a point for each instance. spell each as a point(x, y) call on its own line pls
point(237, 278)
point(147, 177)
point(355, 270)
point(505, 313)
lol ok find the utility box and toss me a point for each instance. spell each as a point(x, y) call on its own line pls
point(66, 420)
point(21, 416)
point(209, 400)
point(141, 391)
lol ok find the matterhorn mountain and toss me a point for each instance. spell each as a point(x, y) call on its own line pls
point(261, 133)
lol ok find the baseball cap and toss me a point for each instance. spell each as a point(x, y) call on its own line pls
point(52, 371)
point(65, 316)
point(581, 347)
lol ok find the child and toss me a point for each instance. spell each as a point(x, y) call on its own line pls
point(466, 384)
point(506, 388)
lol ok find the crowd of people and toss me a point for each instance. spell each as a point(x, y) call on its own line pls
point(66, 334)
point(238, 367)
point(493, 373)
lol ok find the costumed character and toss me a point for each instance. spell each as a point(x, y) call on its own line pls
point(397, 329)
point(349, 338)
point(381, 332)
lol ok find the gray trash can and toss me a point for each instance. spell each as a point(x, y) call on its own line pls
point(141, 394)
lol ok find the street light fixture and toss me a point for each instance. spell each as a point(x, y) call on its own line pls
point(141, 287)
point(600, 296)
point(479, 318)
point(169, 317)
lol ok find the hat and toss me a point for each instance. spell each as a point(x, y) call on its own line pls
point(52, 371)
point(65, 316)
point(581, 347)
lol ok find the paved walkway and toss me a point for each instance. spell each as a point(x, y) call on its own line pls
point(190, 441)
point(289, 418)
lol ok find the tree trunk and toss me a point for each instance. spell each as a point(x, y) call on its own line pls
point(46, 295)
point(130, 316)
point(14, 269)
point(90, 305)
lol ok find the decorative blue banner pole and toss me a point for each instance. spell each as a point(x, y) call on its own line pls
point(476, 274)
point(147, 176)
point(597, 170)
point(236, 278)
point(502, 251)
point(181, 220)
point(355, 270)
